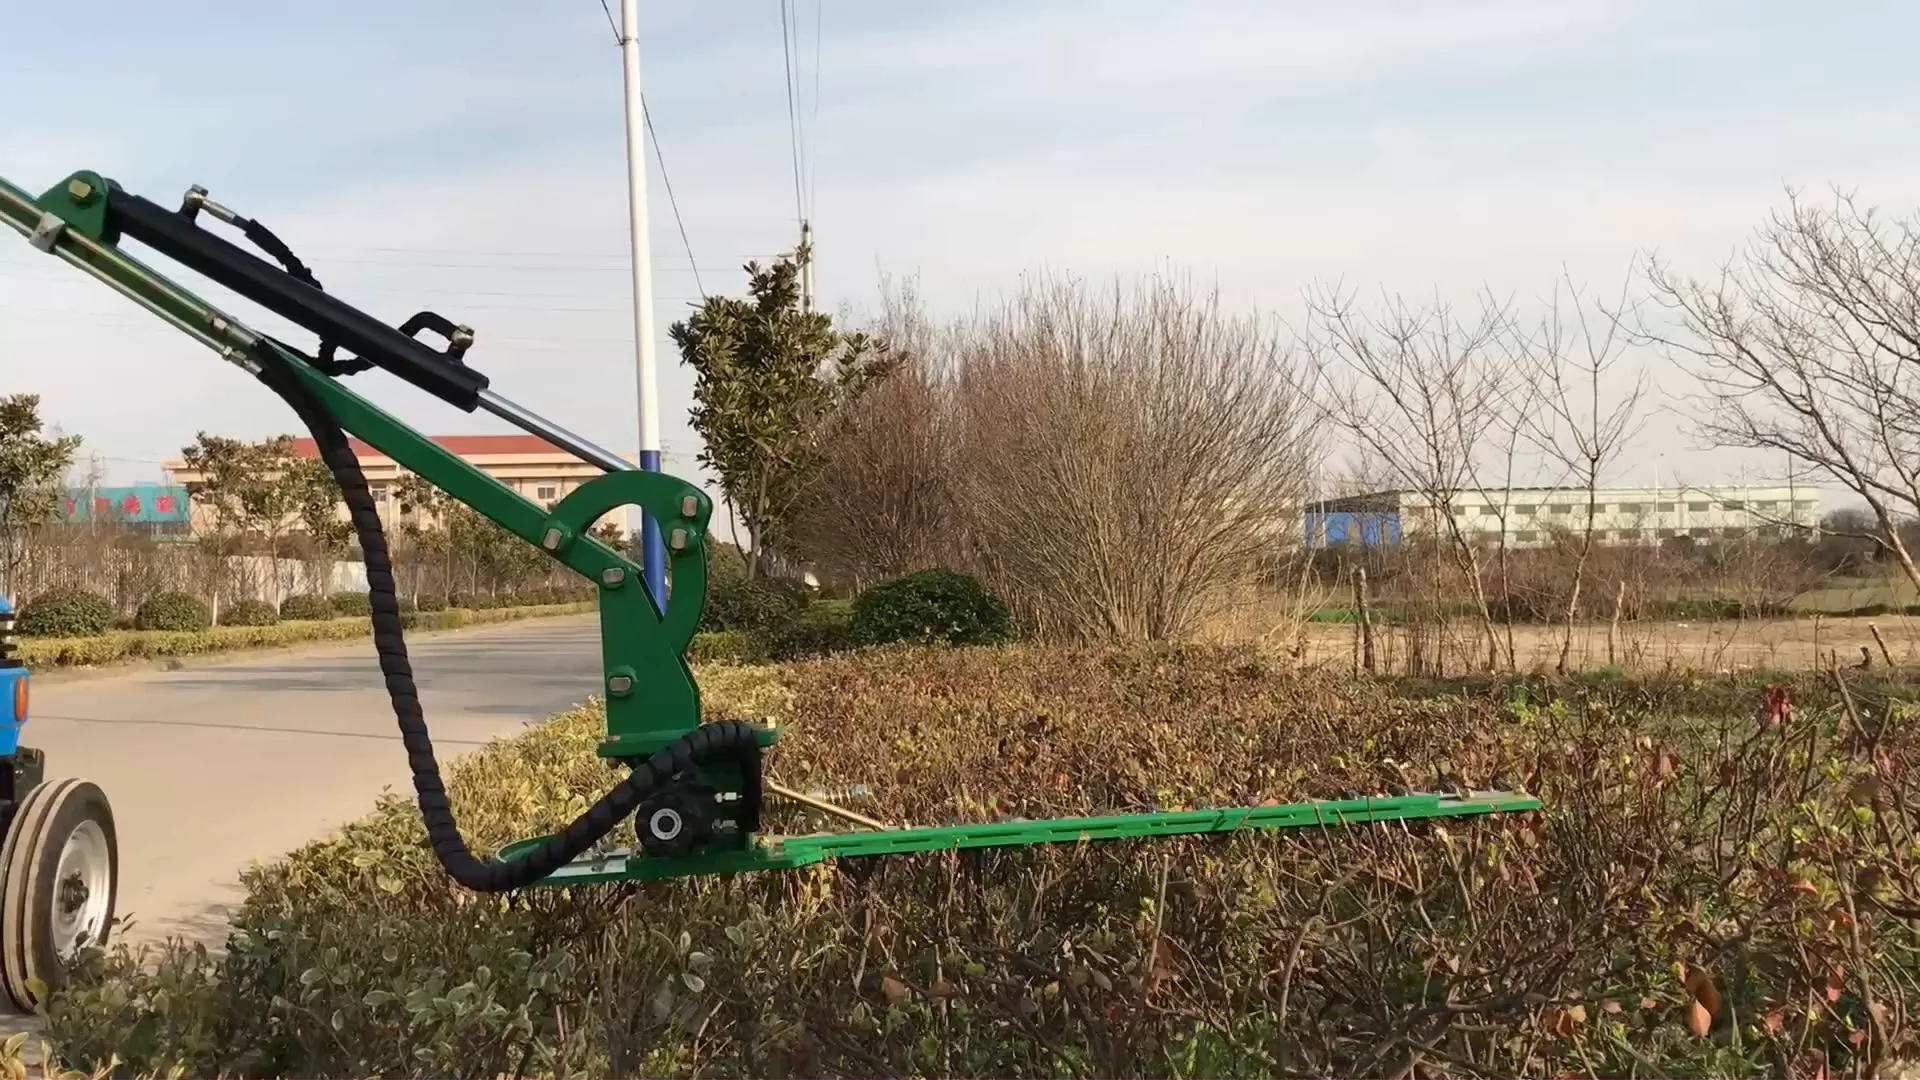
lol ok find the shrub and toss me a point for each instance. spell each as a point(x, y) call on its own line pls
point(150, 644)
point(306, 606)
point(1343, 952)
point(350, 604)
point(723, 647)
point(430, 603)
point(825, 628)
point(65, 611)
point(930, 605)
point(765, 608)
point(249, 613)
point(172, 611)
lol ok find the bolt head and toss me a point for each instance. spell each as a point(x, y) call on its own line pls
point(80, 191)
point(620, 685)
point(678, 539)
point(689, 506)
point(612, 576)
point(551, 541)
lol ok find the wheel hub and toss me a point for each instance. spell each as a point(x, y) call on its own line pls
point(82, 887)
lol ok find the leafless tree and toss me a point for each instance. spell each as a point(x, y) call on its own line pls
point(1810, 344)
point(1417, 390)
point(1583, 415)
point(1133, 457)
point(1496, 476)
point(882, 503)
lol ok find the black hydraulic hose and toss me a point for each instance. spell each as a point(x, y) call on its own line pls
point(707, 742)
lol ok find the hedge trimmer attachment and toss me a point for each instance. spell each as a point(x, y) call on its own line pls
point(693, 789)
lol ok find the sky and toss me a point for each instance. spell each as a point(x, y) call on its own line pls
point(470, 158)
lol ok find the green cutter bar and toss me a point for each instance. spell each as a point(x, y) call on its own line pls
point(693, 790)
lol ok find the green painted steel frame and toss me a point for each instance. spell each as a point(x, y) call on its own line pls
point(650, 691)
point(786, 853)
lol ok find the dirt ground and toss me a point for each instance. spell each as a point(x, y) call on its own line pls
point(1744, 645)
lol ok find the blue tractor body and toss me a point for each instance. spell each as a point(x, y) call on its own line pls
point(13, 685)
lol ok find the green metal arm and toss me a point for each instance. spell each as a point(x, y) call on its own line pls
point(651, 694)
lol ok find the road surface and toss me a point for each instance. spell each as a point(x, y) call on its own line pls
point(216, 764)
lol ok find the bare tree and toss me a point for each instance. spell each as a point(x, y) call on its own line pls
point(1810, 345)
point(1587, 410)
point(882, 501)
point(1496, 477)
point(1133, 458)
point(1417, 390)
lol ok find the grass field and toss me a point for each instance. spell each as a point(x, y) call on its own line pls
point(1811, 640)
point(1851, 594)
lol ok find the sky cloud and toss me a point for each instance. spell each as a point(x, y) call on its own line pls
point(469, 158)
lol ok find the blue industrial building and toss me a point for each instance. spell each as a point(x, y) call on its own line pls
point(1371, 520)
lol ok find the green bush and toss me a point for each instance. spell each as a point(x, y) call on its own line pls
point(825, 628)
point(306, 606)
point(930, 605)
point(473, 601)
point(172, 611)
point(119, 646)
point(249, 613)
point(345, 604)
point(65, 611)
point(763, 607)
point(430, 602)
point(723, 647)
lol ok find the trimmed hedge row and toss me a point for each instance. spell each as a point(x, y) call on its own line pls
point(124, 645)
point(71, 612)
point(1692, 900)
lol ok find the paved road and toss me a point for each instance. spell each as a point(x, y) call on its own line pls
point(211, 766)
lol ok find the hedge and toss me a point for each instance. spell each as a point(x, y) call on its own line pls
point(249, 613)
point(930, 605)
point(126, 645)
point(1693, 900)
point(65, 611)
point(172, 611)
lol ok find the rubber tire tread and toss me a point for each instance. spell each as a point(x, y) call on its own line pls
point(723, 739)
point(75, 802)
point(23, 944)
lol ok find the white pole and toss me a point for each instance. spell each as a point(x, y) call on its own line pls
point(806, 266)
point(653, 555)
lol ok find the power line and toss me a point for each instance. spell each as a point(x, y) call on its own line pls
point(667, 182)
point(813, 162)
point(665, 179)
point(793, 112)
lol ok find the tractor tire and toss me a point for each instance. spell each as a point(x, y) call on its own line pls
point(61, 867)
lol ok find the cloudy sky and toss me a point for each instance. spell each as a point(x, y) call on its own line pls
point(468, 157)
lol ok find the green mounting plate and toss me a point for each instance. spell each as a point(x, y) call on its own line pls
point(785, 853)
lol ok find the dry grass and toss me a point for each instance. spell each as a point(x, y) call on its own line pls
point(1785, 644)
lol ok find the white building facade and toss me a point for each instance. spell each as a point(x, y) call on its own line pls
point(1531, 516)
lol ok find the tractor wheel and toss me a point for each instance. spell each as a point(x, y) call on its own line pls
point(61, 861)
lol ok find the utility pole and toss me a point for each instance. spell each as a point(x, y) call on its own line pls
point(806, 266)
point(653, 555)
